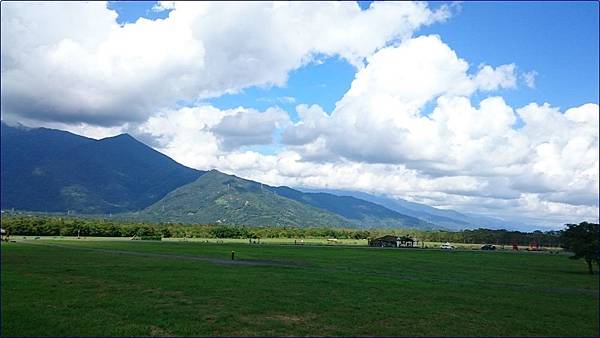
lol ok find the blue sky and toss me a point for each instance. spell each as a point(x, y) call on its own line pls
point(130, 11)
point(559, 40)
point(525, 33)
point(317, 83)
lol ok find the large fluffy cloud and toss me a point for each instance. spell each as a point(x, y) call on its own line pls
point(549, 160)
point(87, 68)
point(381, 117)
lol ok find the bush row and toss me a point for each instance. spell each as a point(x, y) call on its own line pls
point(73, 226)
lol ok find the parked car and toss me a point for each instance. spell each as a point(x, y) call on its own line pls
point(488, 247)
point(447, 246)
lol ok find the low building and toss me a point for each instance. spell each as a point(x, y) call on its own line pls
point(393, 241)
point(406, 242)
point(385, 241)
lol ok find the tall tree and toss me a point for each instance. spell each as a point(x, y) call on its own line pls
point(582, 240)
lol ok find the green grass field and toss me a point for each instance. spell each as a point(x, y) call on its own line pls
point(298, 241)
point(69, 287)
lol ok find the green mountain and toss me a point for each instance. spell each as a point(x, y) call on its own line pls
point(219, 198)
point(53, 170)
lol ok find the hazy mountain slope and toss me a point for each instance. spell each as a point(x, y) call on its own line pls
point(446, 218)
point(450, 219)
point(361, 212)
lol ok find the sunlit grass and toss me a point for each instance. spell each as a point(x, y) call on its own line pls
point(84, 287)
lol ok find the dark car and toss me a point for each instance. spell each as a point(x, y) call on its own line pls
point(488, 247)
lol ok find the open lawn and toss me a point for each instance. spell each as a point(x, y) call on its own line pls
point(165, 288)
point(296, 241)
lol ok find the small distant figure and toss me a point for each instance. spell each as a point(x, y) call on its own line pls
point(515, 247)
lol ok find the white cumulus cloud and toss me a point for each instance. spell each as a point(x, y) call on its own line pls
point(489, 78)
point(89, 69)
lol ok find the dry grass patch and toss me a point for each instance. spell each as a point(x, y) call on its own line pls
point(160, 332)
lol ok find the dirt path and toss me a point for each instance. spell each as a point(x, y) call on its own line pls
point(247, 262)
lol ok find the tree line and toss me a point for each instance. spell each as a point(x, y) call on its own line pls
point(38, 225)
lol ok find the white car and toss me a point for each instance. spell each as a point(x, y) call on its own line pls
point(447, 246)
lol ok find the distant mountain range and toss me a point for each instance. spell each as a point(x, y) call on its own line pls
point(449, 219)
point(50, 170)
point(363, 213)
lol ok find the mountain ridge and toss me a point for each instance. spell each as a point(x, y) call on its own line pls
point(216, 197)
point(53, 170)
